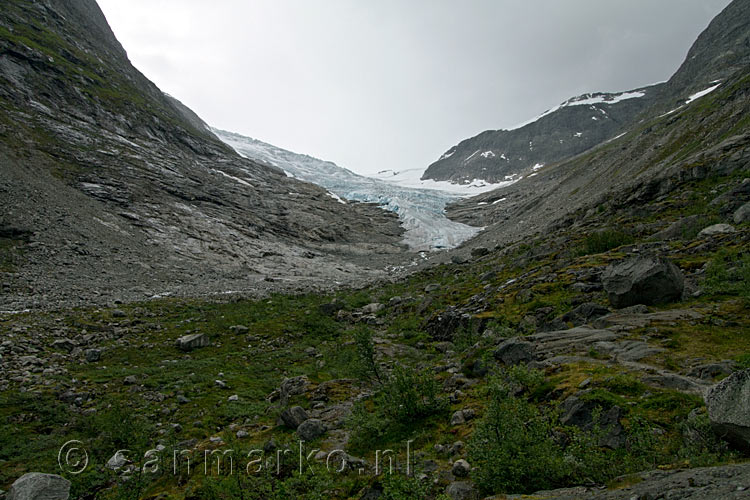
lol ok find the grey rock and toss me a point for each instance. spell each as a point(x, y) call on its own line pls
point(462, 490)
point(293, 386)
point(514, 351)
point(461, 468)
point(39, 486)
point(242, 434)
point(293, 417)
point(581, 412)
point(182, 399)
point(431, 287)
point(717, 229)
point(311, 429)
point(93, 355)
point(372, 308)
point(728, 406)
point(193, 341)
point(118, 313)
point(233, 397)
point(742, 214)
point(678, 228)
point(239, 329)
point(130, 380)
point(710, 371)
point(459, 259)
point(63, 344)
point(479, 252)
point(643, 280)
point(458, 418)
point(117, 461)
point(584, 313)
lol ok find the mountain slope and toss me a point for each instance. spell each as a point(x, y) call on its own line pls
point(585, 121)
point(117, 190)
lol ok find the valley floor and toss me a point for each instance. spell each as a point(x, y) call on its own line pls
point(509, 373)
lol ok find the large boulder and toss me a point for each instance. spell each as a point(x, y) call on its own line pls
point(462, 490)
point(193, 341)
point(643, 280)
point(38, 486)
point(514, 351)
point(728, 406)
point(294, 416)
point(311, 429)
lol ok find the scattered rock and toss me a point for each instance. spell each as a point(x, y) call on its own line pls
point(514, 351)
point(479, 252)
point(239, 329)
point(39, 486)
point(233, 397)
point(293, 387)
point(717, 229)
point(461, 468)
point(130, 380)
point(728, 406)
point(742, 214)
point(118, 461)
point(182, 399)
point(431, 287)
point(242, 434)
point(580, 413)
point(293, 417)
point(311, 429)
point(372, 308)
point(66, 345)
point(462, 490)
point(710, 371)
point(193, 341)
point(459, 259)
point(458, 418)
point(584, 313)
point(118, 313)
point(93, 355)
point(643, 280)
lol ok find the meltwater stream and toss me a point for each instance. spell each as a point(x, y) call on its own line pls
point(421, 210)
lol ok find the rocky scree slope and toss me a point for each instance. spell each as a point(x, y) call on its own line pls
point(109, 188)
point(588, 120)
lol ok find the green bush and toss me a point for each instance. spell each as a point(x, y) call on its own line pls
point(603, 241)
point(365, 366)
point(402, 403)
point(512, 446)
point(728, 273)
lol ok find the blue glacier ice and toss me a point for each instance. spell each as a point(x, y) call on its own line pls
point(420, 209)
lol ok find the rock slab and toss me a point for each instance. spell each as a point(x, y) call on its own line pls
point(38, 486)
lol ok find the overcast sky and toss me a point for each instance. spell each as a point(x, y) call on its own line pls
point(379, 84)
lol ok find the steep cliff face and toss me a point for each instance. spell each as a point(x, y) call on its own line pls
point(119, 190)
point(589, 120)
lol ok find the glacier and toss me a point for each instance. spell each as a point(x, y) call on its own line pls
point(419, 204)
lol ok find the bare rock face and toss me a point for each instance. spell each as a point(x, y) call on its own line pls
point(643, 280)
point(38, 486)
point(729, 408)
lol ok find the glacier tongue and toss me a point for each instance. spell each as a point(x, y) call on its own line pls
point(420, 210)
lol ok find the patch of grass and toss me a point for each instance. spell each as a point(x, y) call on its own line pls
point(604, 241)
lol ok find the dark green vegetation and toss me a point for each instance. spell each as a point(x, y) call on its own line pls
point(393, 371)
